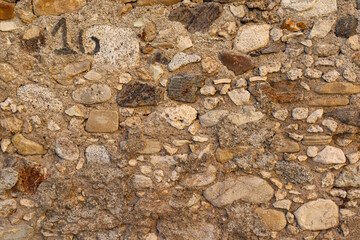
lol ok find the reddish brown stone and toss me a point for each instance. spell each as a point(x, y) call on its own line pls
point(6, 10)
point(236, 63)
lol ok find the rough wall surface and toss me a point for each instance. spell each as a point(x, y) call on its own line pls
point(170, 119)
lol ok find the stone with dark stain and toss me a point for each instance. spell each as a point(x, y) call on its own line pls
point(346, 27)
point(350, 117)
point(197, 19)
point(184, 87)
point(236, 63)
point(139, 94)
point(282, 92)
point(6, 10)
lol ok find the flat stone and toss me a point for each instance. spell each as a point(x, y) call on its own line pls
point(7, 72)
point(66, 149)
point(320, 8)
point(7, 10)
point(282, 204)
point(56, 7)
point(318, 215)
point(199, 179)
point(252, 37)
point(139, 94)
point(236, 63)
point(300, 113)
point(197, 19)
point(7, 207)
point(181, 116)
point(321, 28)
point(329, 101)
point(119, 46)
point(154, 2)
point(346, 27)
point(96, 93)
point(141, 181)
point(246, 116)
point(8, 26)
point(76, 68)
point(301, 5)
point(326, 49)
point(239, 96)
point(246, 188)
point(330, 155)
point(316, 140)
point(181, 59)
point(331, 76)
point(314, 116)
point(151, 146)
point(8, 178)
point(286, 146)
point(349, 177)
point(40, 98)
point(184, 87)
point(293, 172)
point(102, 121)
point(92, 76)
point(96, 154)
point(274, 219)
point(338, 88)
point(18, 232)
point(224, 155)
point(25, 146)
point(350, 117)
point(12, 124)
point(74, 111)
point(212, 117)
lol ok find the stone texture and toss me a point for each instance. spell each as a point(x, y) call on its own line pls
point(239, 96)
point(318, 215)
point(7, 207)
point(7, 10)
point(66, 149)
point(320, 8)
point(76, 68)
point(139, 94)
point(7, 72)
point(349, 177)
point(346, 27)
point(211, 118)
point(246, 188)
point(326, 49)
point(96, 93)
point(198, 18)
point(330, 155)
point(199, 179)
point(252, 37)
point(25, 146)
point(12, 124)
point(236, 63)
point(293, 172)
point(97, 154)
point(56, 7)
point(141, 181)
point(321, 28)
point(151, 146)
point(274, 219)
point(184, 87)
point(181, 116)
point(342, 88)
point(102, 121)
point(181, 59)
point(8, 178)
point(329, 101)
point(350, 117)
point(316, 140)
point(18, 232)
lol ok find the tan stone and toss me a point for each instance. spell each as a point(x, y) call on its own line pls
point(101, 121)
point(26, 16)
point(286, 146)
point(338, 88)
point(25, 146)
point(151, 146)
point(316, 140)
point(274, 219)
point(224, 155)
point(77, 68)
point(7, 72)
point(154, 2)
point(12, 124)
point(329, 101)
point(6, 10)
point(57, 7)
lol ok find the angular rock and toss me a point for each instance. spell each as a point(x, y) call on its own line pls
point(329, 101)
point(350, 117)
point(76, 68)
point(286, 146)
point(346, 26)
point(141, 181)
point(338, 88)
point(301, 5)
point(7, 207)
point(18, 232)
point(153, 2)
point(40, 98)
point(199, 179)
point(102, 121)
point(66, 149)
point(320, 8)
point(246, 188)
point(246, 116)
point(224, 155)
point(25, 146)
point(318, 215)
point(293, 172)
point(212, 117)
point(181, 116)
point(7, 10)
point(7, 72)
point(149, 31)
point(239, 96)
point(274, 219)
point(283, 204)
point(56, 7)
point(326, 49)
point(349, 177)
point(198, 18)
point(12, 124)
point(316, 140)
point(330, 155)
point(236, 63)
point(96, 93)
point(181, 59)
point(96, 154)
point(300, 113)
point(321, 28)
point(184, 87)
point(139, 94)
point(8, 178)
point(252, 37)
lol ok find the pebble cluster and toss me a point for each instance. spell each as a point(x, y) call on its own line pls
point(170, 119)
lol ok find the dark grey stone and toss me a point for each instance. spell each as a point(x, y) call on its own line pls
point(183, 87)
point(346, 27)
point(293, 172)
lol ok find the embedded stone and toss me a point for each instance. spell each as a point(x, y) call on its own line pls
point(7, 72)
point(66, 149)
point(56, 7)
point(252, 37)
point(102, 121)
point(141, 181)
point(154, 2)
point(97, 154)
point(149, 31)
point(246, 188)
point(7, 207)
point(151, 146)
point(318, 215)
point(181, 59)
point(8, 178)
point(239, 96)
point(96, 93)
point(181, 116)
point(12, 124)
point(286, 146)
point(293, 172)
point(236, 63)
point(321, 28)
point(329, 101)
point(25, 146)
point(320, 8)
point(199, 179)
point(330, 155)
point(326, 49)
point(212, 117)
point(139, 94)
point(350, 117)
point(18, 232)
point(338, 88)
point(76, 68)
point(349, 177)
point(274, 219)
point(346, 26)
point(224, 155)
point(316, 140)
point(184, 87)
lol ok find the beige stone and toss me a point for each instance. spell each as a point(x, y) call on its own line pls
point(101, 121)
point(155, 2)
point(12, 124)
point(151, 146)
point(338, 88)
point(77, 68)
point(7, 72)
point(199, 179)
point(25, 146)
point(329, 101)
point(274, 219)
point(224, 155)
point(57, 7)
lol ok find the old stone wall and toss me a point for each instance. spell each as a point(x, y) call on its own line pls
point(170, 119)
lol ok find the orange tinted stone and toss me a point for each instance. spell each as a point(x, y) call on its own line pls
point(57, 7)
point(6, 10)
point(236, 63)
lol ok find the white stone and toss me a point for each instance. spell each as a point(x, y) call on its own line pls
point(294, 74)
point(139, 23)
point(336, 192)
point(125, 78)
point(331, 76)
point(300, 113)
point(200, 139)
point(211, 102)
point(52, 126)
point(281, 114)
point(354, 42)
point(222, 81)
point(312, 151)
point(156, 71)
point(276, 34)
point(181, 59)
point(353, 157)
point(74, 111)
point(298, 5)
point(145, 169)
point(5, 143)
point(252, 37)
point(313, 73)
point(327, 180)
point(7, 26)
point(240, 83)
point(318, 215)
point(32, 32)
point(184, 42)
point(314, 116)
point(181, 116)
point(269, 68)
point(349, 74)
point(239, 96)
point(247, 115)
point(315, 129)
point(282, 204)
point(353, 194)
point(208, 90)
point(321, 28)
point(238, 11)
point(211, 118)
point(225, 89)
point(330, 124)
point(346, 213)
point(296, 137)
point(311, 8)
point(330, 155)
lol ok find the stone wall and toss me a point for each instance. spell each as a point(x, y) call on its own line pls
point(170, 119)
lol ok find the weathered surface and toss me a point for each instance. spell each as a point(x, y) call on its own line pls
point(236, 63)
point(346, 27)
point(338, 88)
point(25, 146)
point(252, 37)
point(330, 155)
point(293, 172)
point(184, 87)
point(56, 7)
point(96, 93)
point(101, 121)
point(66, 149)
point(6, 10)
point(349, 177)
